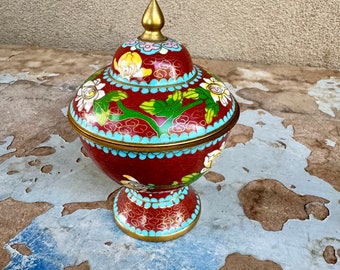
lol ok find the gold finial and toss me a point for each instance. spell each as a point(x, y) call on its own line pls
point(153, 22)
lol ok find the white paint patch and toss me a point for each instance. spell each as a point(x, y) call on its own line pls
point(327, 95)
point(74, 178)
point(5, 144)
point(330, 143)
point(234, 91)
point(7, 78)
point(64, 111)
point(26, 76)
point(250, 79)
point(255, 74)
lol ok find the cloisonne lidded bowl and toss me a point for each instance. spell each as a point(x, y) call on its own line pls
point(154, 122)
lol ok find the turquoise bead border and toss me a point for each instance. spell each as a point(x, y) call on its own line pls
point(147, 202)
point(144, 233)
point(163, 139)
point(152, 155)
point(154, 86)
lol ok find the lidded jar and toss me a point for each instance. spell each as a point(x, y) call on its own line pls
point(154, 122)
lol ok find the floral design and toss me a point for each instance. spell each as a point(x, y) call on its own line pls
point(134, 184)
point(130, 65)
point(88, 93)
point(218, 90)
point(211, 157)
point(171, 45)
point(150, 48)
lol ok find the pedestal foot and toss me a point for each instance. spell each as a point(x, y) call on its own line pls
point(157, 215)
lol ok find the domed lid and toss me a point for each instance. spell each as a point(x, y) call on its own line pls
point(152, 97)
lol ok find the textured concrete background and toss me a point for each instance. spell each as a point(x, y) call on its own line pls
point(298, 32)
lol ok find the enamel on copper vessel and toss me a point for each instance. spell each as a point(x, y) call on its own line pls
point(154, 122)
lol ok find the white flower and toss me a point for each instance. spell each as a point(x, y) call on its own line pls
point(88, 93)
point(211, 157)
point(218, 90)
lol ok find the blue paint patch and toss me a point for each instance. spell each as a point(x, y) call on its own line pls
point(44, 248)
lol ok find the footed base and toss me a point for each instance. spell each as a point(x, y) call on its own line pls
point(157, 215)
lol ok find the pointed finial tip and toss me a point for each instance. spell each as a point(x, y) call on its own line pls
point(153, 22)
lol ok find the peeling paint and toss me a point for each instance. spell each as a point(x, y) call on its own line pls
point(327, 95)
point(255, 74)
point(5, 144)
point(38, 78)
point(330, 143)
point(82, 235)
point(64, 111)
point(272, 204)
point(249, 79)
point(238, 261)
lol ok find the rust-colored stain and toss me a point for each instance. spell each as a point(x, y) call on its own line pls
point(49, 88)
point(272, 204)
point(70, 208)
point(287, 97)
point(329, 255)
point(83, 266)
point(237, 261)
point(35, 162)
point(11, 172)
point(23, 249)
point(317, 209)
point(47, 168)
point(239, 134)
point(290, 101)
point(15, 216)
point(42, 151)
point(214, 177)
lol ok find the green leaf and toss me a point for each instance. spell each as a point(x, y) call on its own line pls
point(114, 117)
point(177, 96)
point(167, 109)
point(188, 179)
point(148, 106)
point(102, 118)
point(100, 109)
point(116, 96)
point(209, 115)
point(203, 93)
point(151, 186)
point(161, 107)
point(191, 94)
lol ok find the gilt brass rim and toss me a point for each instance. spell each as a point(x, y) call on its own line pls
point(139, 147)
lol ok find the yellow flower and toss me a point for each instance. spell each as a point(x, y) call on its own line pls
point(218, 90)
point(130, 65)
